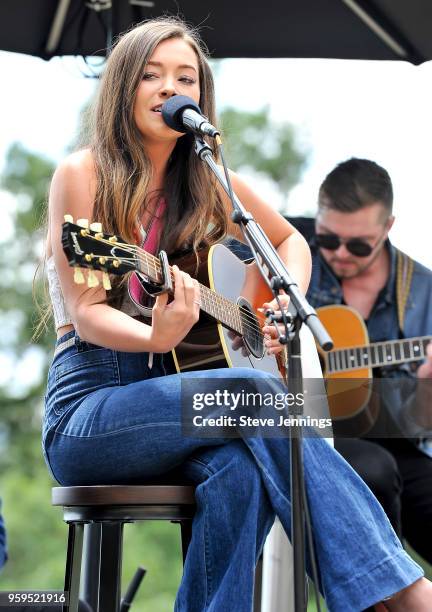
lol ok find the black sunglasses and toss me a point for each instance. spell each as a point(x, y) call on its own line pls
point(356, 246)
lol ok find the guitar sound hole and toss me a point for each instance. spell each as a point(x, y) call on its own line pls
point(252, 334)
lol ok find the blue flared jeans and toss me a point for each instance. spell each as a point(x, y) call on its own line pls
point(110, 419)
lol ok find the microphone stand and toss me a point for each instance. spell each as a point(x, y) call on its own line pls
point(278, 278)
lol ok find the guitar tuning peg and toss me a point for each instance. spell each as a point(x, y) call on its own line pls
point(78, 276)
point(83, 223)
point(96, 226)
point(106, 281)
point(92, 280)
point(68, 219)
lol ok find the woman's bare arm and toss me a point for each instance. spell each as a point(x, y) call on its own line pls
point(72, 192)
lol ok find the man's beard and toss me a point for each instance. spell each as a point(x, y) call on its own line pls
point(354, 270)
point(343, 272)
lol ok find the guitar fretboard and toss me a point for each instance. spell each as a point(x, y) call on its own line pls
point(217, 306)
point(377, 354)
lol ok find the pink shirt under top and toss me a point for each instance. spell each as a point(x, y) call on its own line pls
point(150, 244)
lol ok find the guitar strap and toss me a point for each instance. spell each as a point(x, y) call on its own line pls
point(404, 272)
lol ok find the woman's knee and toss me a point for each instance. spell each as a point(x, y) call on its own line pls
point(231, 468)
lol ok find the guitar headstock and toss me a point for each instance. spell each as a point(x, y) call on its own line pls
point(87, 246)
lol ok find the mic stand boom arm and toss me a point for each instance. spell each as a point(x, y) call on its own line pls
point(261, 245)
point(278, 277)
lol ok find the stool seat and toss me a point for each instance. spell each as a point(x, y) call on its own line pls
point(113, 495)
point(129, 503)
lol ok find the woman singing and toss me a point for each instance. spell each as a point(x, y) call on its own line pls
point(112, 414)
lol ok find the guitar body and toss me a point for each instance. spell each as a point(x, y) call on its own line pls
point(349, 392)
point(208, 345)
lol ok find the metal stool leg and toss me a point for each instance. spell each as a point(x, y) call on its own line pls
point(258, 586)
point(186, 536)
point(110, 566)
point(91, 565)
point(73, 566)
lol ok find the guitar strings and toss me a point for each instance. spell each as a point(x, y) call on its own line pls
point(243, 321)
point(208, 294)
point(246, 320)
point(152, 264)
point(206, 291)
point(219, 301)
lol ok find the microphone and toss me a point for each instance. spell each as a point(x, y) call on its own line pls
point(182, 114)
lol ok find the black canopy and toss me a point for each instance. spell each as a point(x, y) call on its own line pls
point(351, 29)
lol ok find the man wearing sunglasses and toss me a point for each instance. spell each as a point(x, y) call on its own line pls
point(354, 263)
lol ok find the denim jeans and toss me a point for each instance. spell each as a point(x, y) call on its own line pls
point(109, 419)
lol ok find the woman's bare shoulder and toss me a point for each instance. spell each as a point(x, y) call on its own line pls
point(73, 187)
point(79, 163)
point(75, 178)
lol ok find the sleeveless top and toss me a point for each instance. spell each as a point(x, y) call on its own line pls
point(148, 240)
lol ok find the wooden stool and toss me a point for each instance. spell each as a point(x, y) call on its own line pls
point(96, 515)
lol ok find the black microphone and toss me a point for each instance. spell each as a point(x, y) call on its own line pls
point(182, 114)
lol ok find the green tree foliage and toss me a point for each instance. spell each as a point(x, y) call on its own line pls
point(26, 176)
point(255, 143)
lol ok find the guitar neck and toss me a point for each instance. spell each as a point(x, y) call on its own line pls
point(215, 305)
point(377, 354)
point(88, 247)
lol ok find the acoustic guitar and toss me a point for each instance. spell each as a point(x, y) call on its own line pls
point(231, 293)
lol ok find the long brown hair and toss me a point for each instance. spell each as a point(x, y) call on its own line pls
point(123, 169)
point(194, 212)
